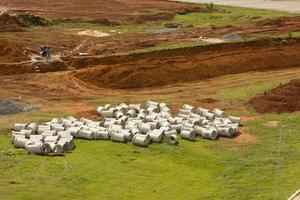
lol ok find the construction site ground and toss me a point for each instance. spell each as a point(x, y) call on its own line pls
point(142, 59)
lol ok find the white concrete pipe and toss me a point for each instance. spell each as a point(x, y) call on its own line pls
point(38, 148)
point(152, 103)
point(176, 127)
point(86, 134)
point(235, 128)
point(172, 120)
point(42, 128)
point(70, 141)
point(171, 139)
point(119, 114)
point(170, 132)
point(74, 131)
point(184, 112)
point(69, 124)
point(58, 127)
point(144, 128)
point(153, 125)
point(128, 134)
point(153, 109)
point(49, 139)
point(19, 127)
point(131, 113)
point(187, 107)
point(27, 133)
point(101, 134)
point(219, 113)
point(225, 131)
point(210, 116)
point(71, 118)
point(16, 134)
point(141, 140)
point(135, 131)
point(37, 138)
point(55, 121)
point(183, 116)
point(64, 144)
point(49, 133)
point(119, 137)
point(209, 134)
point(33, 127)
point(188, 135)
point(107, 113)
point(136, 107)
point(201, 111)
point(99, 109)
point(20, 142)
point(152, 116)
point(64, 134)
point(198, 130)
point(156, 135)
point(188, 125)
point(55, 148)
point(107, 106)
point(235, 120)
point(141, 115)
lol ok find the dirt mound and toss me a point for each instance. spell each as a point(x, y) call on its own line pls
point(190, 64)
point(282, 21)
point(142, 18)
point(11, 52)
point(285, 98)
point(12, 107)
point(10, 22)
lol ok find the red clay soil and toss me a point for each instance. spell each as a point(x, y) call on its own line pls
point(189, 64)
point(285, 98)
point(11, 52)
point(111, 9)
point(9, 22)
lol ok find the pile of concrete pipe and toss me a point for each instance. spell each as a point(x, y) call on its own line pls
point(49, 138)
point(126, 123)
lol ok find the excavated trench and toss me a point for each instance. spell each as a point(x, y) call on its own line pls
point(187, 64)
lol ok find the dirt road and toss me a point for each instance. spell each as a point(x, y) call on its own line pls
point(289, 6)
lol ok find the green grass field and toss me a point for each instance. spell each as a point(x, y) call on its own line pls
point(223, 169)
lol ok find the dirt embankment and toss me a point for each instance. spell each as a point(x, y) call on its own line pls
point(188, 64)
point(285, 98)
point(10, 22)
point(11, 52)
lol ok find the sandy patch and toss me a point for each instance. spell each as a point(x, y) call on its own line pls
point(272, 123)
point(93, 33)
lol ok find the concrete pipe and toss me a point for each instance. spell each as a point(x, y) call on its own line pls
point(165, 109)
point(38, 148)
point(72, 119)
point(235, 120)
point(128, 134)
point(176, 127)
point(164, 124)
point(171, 139)
point(55, 148)
point(170, 132)
point(205, 122)
point(209, 116)
point(187, 107)
point(33, 127)
point(78, 123)
point(42, 128)
point(135, 131)
point(119, 114)
point(49, 139)
point(152, 103)
point(209, 134)
point(69, 124)
point(195, 121)
point(144, 128)
point(188, 135)
point(64, 145)
point(58, 127)
point(109, 123)
point(225, 131)
point(27, 133)
point(131, 113)
point(19, 127)
point(136, 107)
point(198, 130)
point(153, 109)
point(16, 134)
point(49, 133)
point(74, 131)
point(37, 138)
point(85, 120)
point(183, 116)
point(141, 140)
point(188, 125)
point(103, 135)
point(55, 121)
point(164, 114)
point(70, 141)
point(107, 113)
point(172, 120)
point(119, 137)
point(154, 125)
point(156, 135)
point(99, 109)
point(86, 134)
point(151, 117)
point(64, 134)
point(235, 128)
point(184, 112)
point(218, 112)
point(20, 142)
point(107, 106)
point(201, 111)
point(141, 115)
point(162, 105)
point(194, 115)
